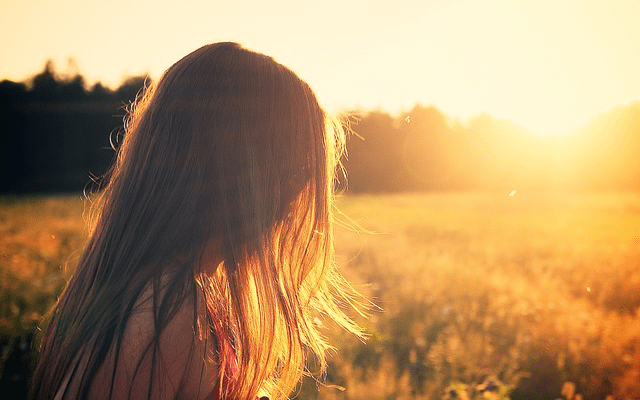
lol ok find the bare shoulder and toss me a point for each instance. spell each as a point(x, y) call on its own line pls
point(184, 365)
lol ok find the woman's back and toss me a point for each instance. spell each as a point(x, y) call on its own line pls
point(186, 367)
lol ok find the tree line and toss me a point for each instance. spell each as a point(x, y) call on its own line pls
point(426, 150)
point(56, 135)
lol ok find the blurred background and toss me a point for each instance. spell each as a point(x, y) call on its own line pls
point(492, 173)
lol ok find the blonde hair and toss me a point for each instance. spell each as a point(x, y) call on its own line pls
point(231, 146)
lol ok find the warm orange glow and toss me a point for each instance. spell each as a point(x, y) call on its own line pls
point(548, 66)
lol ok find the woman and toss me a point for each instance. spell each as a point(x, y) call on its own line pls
point(211, 263)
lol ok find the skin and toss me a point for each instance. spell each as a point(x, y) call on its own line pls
point(175, 344)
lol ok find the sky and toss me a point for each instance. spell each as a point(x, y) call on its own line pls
point(547, 65)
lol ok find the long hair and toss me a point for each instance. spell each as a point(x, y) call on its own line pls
point(230, 146)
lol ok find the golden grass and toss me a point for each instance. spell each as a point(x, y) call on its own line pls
point(527, 291)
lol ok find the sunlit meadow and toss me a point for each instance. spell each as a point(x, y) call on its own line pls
point(481, 295)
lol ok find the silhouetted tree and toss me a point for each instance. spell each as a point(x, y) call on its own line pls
point(57, 136)
point(12, 93)
point(131, 87)
point(54, 133)
point(100, 92)
point(373, 161)
point(428, 147)
point(44, 86)
point(73, 90)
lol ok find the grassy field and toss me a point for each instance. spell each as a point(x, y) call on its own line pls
point(532, 296)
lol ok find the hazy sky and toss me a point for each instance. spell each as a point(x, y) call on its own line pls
point(548, 65)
